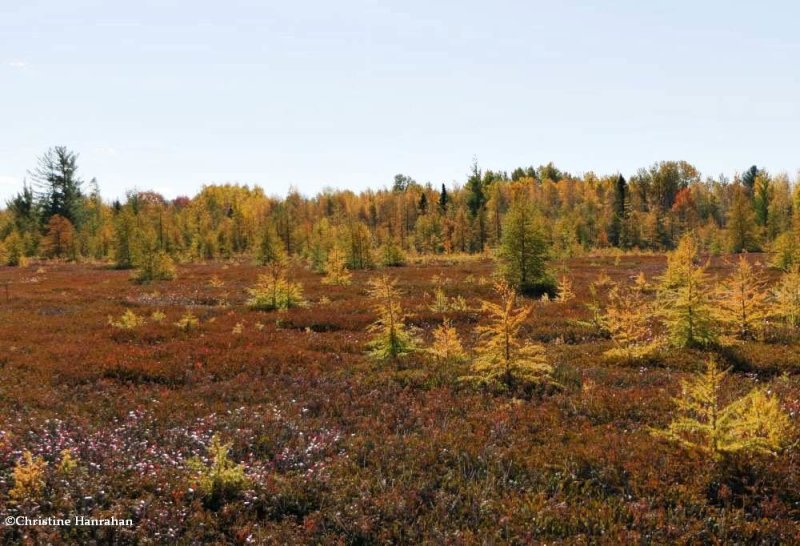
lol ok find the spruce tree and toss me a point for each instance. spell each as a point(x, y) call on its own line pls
point(58, 184)
point(523, 251)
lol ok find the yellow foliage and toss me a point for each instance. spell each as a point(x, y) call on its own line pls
point(754, 422)
point(28, 478)
point(391, 340)
point(68, 463)
point(222, 479)
point(128, 321)
point(336, 271)
point(742, 304)
point(627, 319)
point(565, 292)
point(188, 321)
point(684, 299)
point(503, 356)
point(274, 291)
point(446, 347)
point(787, 297)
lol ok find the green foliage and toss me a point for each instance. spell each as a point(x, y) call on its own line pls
point(124, 238)
point(221, 480)
point(152, 263)
point(153, 266)
point(684, 299)
point(752, 423)
point(59, 186)
point(358, 245)
point(523, 251)
point(391, 254)
point(391, 339)
point(269, 248)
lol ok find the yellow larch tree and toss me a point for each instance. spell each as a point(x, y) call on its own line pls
point(684, 300)
point(753, 423)
point(787, 297)
point(503, 357)
point(446, 348)
point(628, 320)
point(742, 303)
point(392, 339)
point(336, 271)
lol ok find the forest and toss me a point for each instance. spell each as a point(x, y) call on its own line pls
point(58, 215)
point(530, 357)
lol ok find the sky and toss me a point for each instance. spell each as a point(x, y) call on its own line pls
point(169, 95)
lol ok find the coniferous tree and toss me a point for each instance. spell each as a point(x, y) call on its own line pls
point(59, 185)
point(628, 321)
point(476, 202)
point(14, 250)
point(25, 210)
point(391, 254)
point(444, 200)
point(336, 271)
point(565, 292)
point(684, 300)
point(742, 304)
point(446, 348)
point(741, 224)
point(124, 235)
point(615, 231)
point(749, 179)
point(274, 291)
point(787, 297)
point(523, 252)
point(762, 195)
point(391, 339)
point(150, 262)
point(59, 239)
point(269, 249)
point(504, 357)
point(753, 423)
point(785, 251)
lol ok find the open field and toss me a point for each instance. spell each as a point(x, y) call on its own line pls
point(337, 448)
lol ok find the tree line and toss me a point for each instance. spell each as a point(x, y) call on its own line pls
point(59, 215)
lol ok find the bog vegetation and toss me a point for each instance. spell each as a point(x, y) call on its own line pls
point(532, 357)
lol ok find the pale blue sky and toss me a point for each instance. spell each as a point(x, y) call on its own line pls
point(168, 95)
